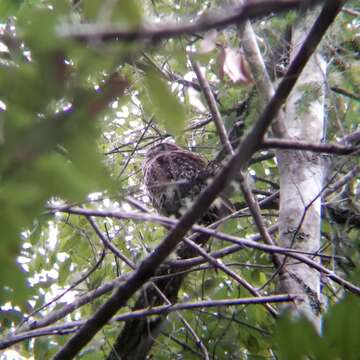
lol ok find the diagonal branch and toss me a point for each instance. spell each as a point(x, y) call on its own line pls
point(109, 245)
point(217, 264)
point(215, 113)
point(261, 76)
point(250, 199)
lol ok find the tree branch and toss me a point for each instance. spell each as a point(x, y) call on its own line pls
point(232, 274)
point(250, 10)
point(63, 329)
point(261, 76)
point(337, 149)
point(215, 113)
point(296, 254)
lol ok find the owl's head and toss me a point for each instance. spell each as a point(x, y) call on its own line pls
point(161, 148)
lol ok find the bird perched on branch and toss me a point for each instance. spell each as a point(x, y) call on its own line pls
point(174, 177)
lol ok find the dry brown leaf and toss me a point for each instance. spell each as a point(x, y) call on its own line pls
point(233, 64)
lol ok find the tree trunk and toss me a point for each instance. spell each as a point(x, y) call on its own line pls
point(301, 178)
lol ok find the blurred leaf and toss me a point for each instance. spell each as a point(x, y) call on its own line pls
point(253, 344)
point(38, 27)
point(9, 8)
point(42, 349)
point(125, 12)
point(128, 12)
point(296, 338)
point(342, 328)
point(13, 279)
point(92, 8)
point(10, 317)
point(167, 108)
point(64, 271)
point(65, 103)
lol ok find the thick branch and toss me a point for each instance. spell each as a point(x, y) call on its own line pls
point(251, 9)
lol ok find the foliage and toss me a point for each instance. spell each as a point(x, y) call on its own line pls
point(77, 118)
point(339, 341)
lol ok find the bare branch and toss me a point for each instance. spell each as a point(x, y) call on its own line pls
point(296, 254)
point(107, 244)
point(351, 11)
point(345, 179)
point(216, 116)
point(232, 274)
point(346, 93)
point(63, 329)
point(249, 10)
point(303, 145)
point(261, 76)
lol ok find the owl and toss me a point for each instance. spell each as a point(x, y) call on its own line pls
point(174, 177)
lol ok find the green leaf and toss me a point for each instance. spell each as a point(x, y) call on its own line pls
point(296, 338)
point(9, 8)
point(13, 279)
point(125, 12)
point(92, 8)
point(10, 317)
point(38, 27)
point(342, 329)
point(253, 344)
point(167, 108)
point(64, 271)
point(42, 349)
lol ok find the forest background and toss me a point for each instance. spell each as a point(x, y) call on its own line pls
point(267, 91)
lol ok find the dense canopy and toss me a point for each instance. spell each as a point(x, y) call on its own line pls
point(263, 96)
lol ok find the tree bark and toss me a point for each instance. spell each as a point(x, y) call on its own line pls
point(301, 178)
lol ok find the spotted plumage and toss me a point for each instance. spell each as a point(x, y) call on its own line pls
point(174, 177)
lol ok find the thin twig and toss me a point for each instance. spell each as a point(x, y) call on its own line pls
point(74, 285)
point(110, 245)
point(63, 329)
point(210, 99)
point(217, 264)
point(296, 254)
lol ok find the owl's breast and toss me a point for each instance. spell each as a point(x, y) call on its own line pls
point(170, 180)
